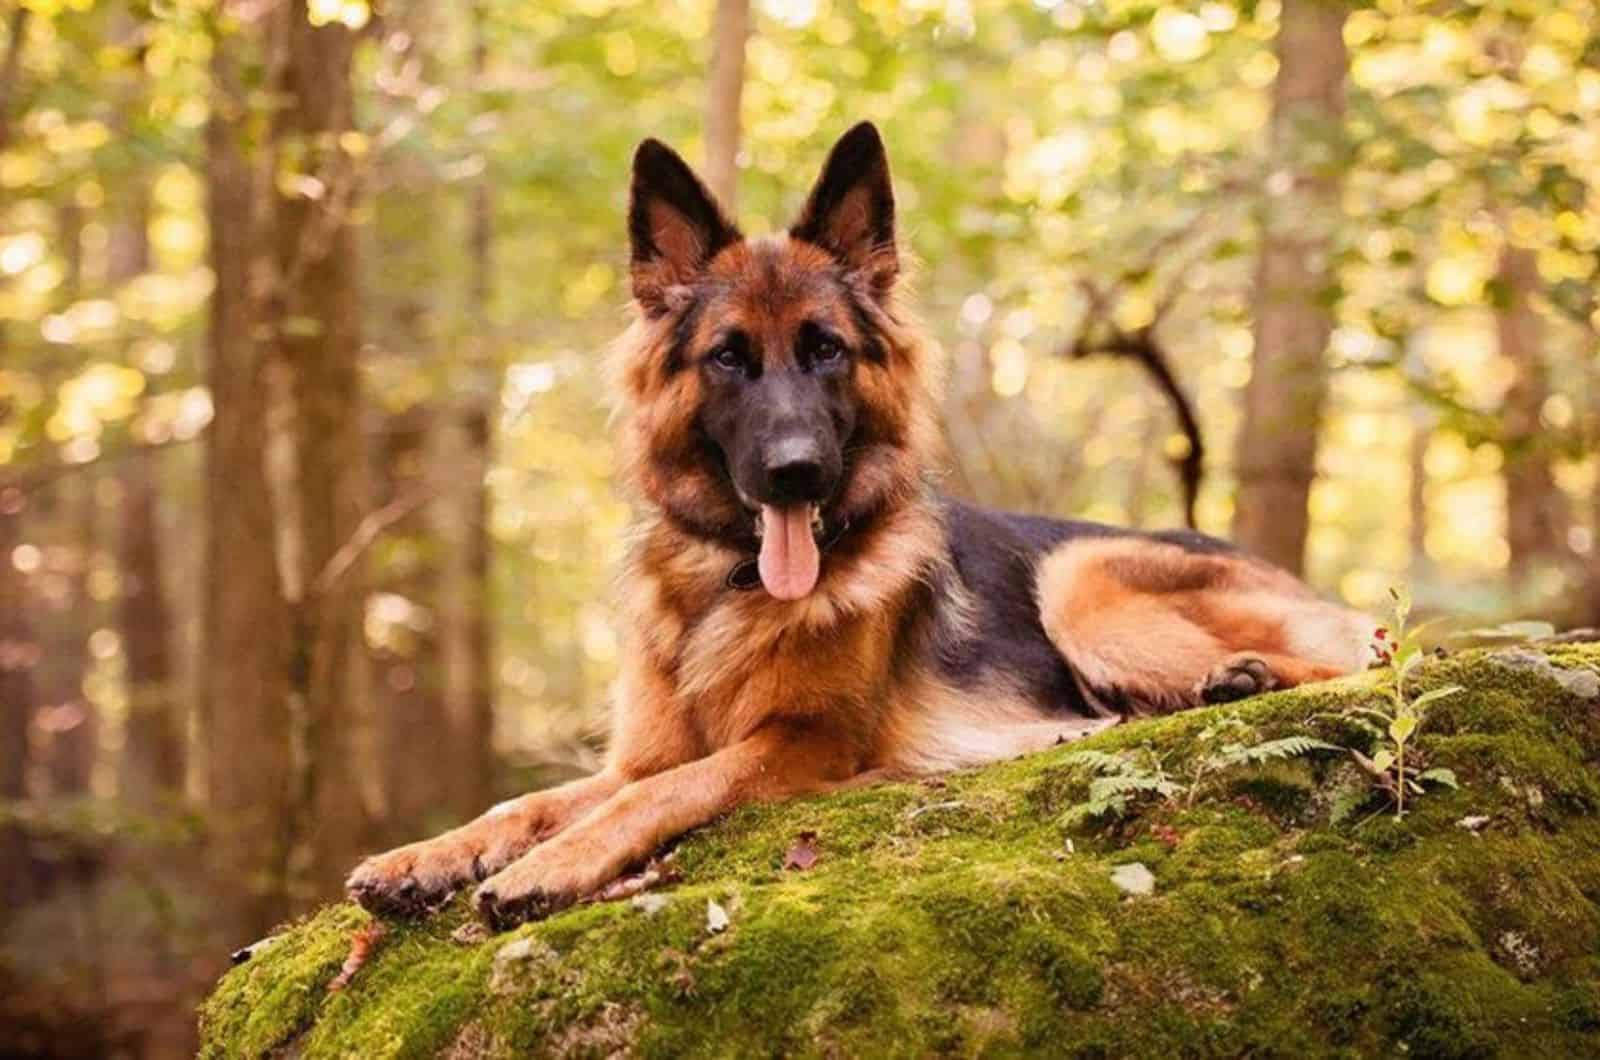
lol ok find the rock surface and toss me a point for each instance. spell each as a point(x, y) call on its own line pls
point(962, 917)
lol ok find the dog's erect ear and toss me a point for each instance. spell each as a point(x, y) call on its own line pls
point(851, 210)
point(674, 225)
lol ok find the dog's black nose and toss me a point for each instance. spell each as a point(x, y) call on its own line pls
point(796, 472)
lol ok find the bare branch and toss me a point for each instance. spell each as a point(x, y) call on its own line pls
point(1100, 335)
point(367, 532)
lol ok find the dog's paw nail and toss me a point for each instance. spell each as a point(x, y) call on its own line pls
point(490, 911)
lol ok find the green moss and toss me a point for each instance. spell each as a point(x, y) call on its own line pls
point(954, 919)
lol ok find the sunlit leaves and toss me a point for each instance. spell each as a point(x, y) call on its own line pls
point(353, 14)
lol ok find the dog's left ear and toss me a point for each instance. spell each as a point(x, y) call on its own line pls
point(675, 226)
point(850, 212)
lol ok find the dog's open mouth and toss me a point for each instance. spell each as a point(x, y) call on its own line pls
point(790, 560)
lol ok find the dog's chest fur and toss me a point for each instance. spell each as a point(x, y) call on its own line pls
point(736, 659)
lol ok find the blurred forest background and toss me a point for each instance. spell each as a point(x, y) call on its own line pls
point(307, 514)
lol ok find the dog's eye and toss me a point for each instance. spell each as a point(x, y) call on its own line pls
point(826, 351)
point(728, 357)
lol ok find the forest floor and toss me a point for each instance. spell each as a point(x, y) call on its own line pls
point(1227, 908)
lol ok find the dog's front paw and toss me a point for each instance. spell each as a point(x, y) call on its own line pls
point(539, 884)
point(415, 879)
point(1237, 677)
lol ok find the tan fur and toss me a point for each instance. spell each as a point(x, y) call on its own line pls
point(1148, 622)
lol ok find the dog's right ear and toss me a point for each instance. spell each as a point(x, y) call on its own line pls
point(675, 227)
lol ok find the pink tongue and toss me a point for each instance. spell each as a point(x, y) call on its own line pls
point(788, 553)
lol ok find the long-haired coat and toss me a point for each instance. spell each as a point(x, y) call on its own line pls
point(802, 610)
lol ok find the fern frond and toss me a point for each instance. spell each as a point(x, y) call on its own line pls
point(1100, 761)
point(1131, 784)
point(1287, 747)
point(1114, 806)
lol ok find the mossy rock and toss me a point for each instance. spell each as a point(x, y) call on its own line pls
point(961, 917)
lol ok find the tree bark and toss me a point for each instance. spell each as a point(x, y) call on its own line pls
point(19, 657)
point(408, 306)
point(730, 30)
point(66, 513)
point(317, 322)
point(467, 641)
point(1277, 447)
point(1536, 520)
point(413, 721)
point(1419, 566)
point(152, 760)
point(244, 702)
point(1592, 605)
point(11, 69)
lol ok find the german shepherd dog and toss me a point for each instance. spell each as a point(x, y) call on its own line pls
point(802, 611)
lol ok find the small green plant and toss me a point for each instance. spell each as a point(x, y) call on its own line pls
point(1398, 649)
point(1122, 778)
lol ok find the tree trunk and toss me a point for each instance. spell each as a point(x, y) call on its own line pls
point(66, 513)
point(317, 321)
point(244, 688)
point(1419, 566)
point(11, 69)
point(467, 643)
point(1536, 523)
point(1277, 446)
point(1593, 377)
point(406, 303)
point(153, 736)
point(725, 88)
point(152, 761)
point(19, 657)
point(412, 723)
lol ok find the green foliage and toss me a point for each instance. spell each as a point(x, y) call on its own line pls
point(1399, 648)
point(1121, 779)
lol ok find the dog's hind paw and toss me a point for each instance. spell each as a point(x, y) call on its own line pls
point(1237, 677)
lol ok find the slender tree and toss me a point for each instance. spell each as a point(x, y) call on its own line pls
point(19, 656)
point(1536, 520)
point(152, 762)
point(724, 90)
point(1277, 446)
point(468, 639)
point(151, 767)
point(244, 677)
point(65, 512)
point(405, 304)
point(316, 317)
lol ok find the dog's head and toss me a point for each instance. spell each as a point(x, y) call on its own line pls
point(774, 398)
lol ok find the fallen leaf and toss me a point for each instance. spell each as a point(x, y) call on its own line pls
point(1166, 834)
point(362, 943)
point(716, 917)
point(1473, 822)
point(803, 854)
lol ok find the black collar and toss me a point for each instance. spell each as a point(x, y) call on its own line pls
point(746, 574)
